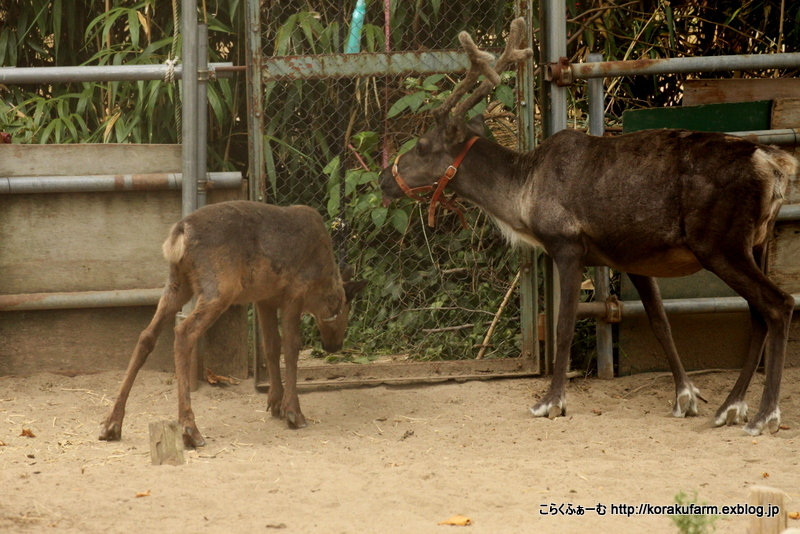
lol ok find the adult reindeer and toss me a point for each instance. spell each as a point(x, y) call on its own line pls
point(657, 203)
point(280, 258)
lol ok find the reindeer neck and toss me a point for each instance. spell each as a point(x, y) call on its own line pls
point(492, 177)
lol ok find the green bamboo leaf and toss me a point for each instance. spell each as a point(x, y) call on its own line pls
point(48, 131)
point(283, 39)
point(4, 38)
point(134, 26)
point(57, 14)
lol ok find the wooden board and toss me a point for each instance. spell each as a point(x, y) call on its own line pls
point(696, 92)
point(741, 116)
point(786, 113)
point(80, 159)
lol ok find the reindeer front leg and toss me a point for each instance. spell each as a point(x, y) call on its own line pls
point(686, 394)
point(271, 338)
point(290, 322)
point(554, 402)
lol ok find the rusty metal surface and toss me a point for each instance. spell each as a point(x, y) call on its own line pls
point(362, 64)
point(111, 182)
point(82, 299)
point(677, 65)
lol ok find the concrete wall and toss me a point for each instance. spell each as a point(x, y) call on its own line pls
point(93, 241)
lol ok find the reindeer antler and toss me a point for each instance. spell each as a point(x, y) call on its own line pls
point(479, 62)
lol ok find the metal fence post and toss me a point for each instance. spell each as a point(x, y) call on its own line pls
point(189, 139)
point(603, 330)
point(529, 281)
point(202, 114)
point(554, 118)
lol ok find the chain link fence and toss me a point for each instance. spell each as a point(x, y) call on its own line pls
point(433, 292)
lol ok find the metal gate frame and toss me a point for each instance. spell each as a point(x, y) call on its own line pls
point(262, 69)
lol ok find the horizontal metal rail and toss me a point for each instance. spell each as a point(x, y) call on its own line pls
point(80, 299)
point(636, 67)
point(100, 73)
point(111, 182)
point(362, 64)
point(781, 137)
point(635, 308)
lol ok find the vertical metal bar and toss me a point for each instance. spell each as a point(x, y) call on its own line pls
point(255, 103)
point(526, 140)
point(554, 118)
point(189, 104)
point(202, 114)
point(603, 330)
point(189, 139)
point(256, 171)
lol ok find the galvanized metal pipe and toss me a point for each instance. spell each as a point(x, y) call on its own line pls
point(635, 308)
point(602, 282)
point(189, 137)
point(202, 113)
point(100, 73)
point(554, 114)
point(636, 67)
point(111, 182)
point(781, 137)
point(526, 137)
point(256, 170)
point(80, 299)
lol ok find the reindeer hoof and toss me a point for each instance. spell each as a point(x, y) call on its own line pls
point(192, 438)
point(772, 421)
point(275, 409)
point(296, 420)
point(110, 431)
point(733, 414)
point(550, 408)
point(686, 401)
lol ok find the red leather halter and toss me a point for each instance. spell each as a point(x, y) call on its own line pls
point(437, 187)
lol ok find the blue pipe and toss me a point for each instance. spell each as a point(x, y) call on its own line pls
point(354, 39)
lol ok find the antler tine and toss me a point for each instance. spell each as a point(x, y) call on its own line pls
point(511, 54)
point(478, 64)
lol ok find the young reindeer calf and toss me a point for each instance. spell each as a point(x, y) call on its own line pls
point(655, 203)
point(236, 253)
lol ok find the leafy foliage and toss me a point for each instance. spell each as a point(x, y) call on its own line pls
point(79, 32)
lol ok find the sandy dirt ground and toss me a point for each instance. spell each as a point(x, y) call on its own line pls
point(382, 459)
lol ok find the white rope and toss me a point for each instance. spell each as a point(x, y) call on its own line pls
point(170, 63)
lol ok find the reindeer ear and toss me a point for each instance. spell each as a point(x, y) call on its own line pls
point(351, 289)
point(346, 272)
point(477, 126)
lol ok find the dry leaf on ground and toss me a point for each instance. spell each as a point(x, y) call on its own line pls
point(794, 515)
point(457, 520)
point(143, 494)
point(212, 378)
point(28, 433)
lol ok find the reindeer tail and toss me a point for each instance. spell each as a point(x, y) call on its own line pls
point(175, 245)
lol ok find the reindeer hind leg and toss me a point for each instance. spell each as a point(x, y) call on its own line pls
point(176, 293)
point(771, 313)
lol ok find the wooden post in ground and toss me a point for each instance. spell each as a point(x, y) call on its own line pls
point(771, 501)
point(166, 443)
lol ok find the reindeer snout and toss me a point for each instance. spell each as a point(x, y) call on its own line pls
point(332, 347)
